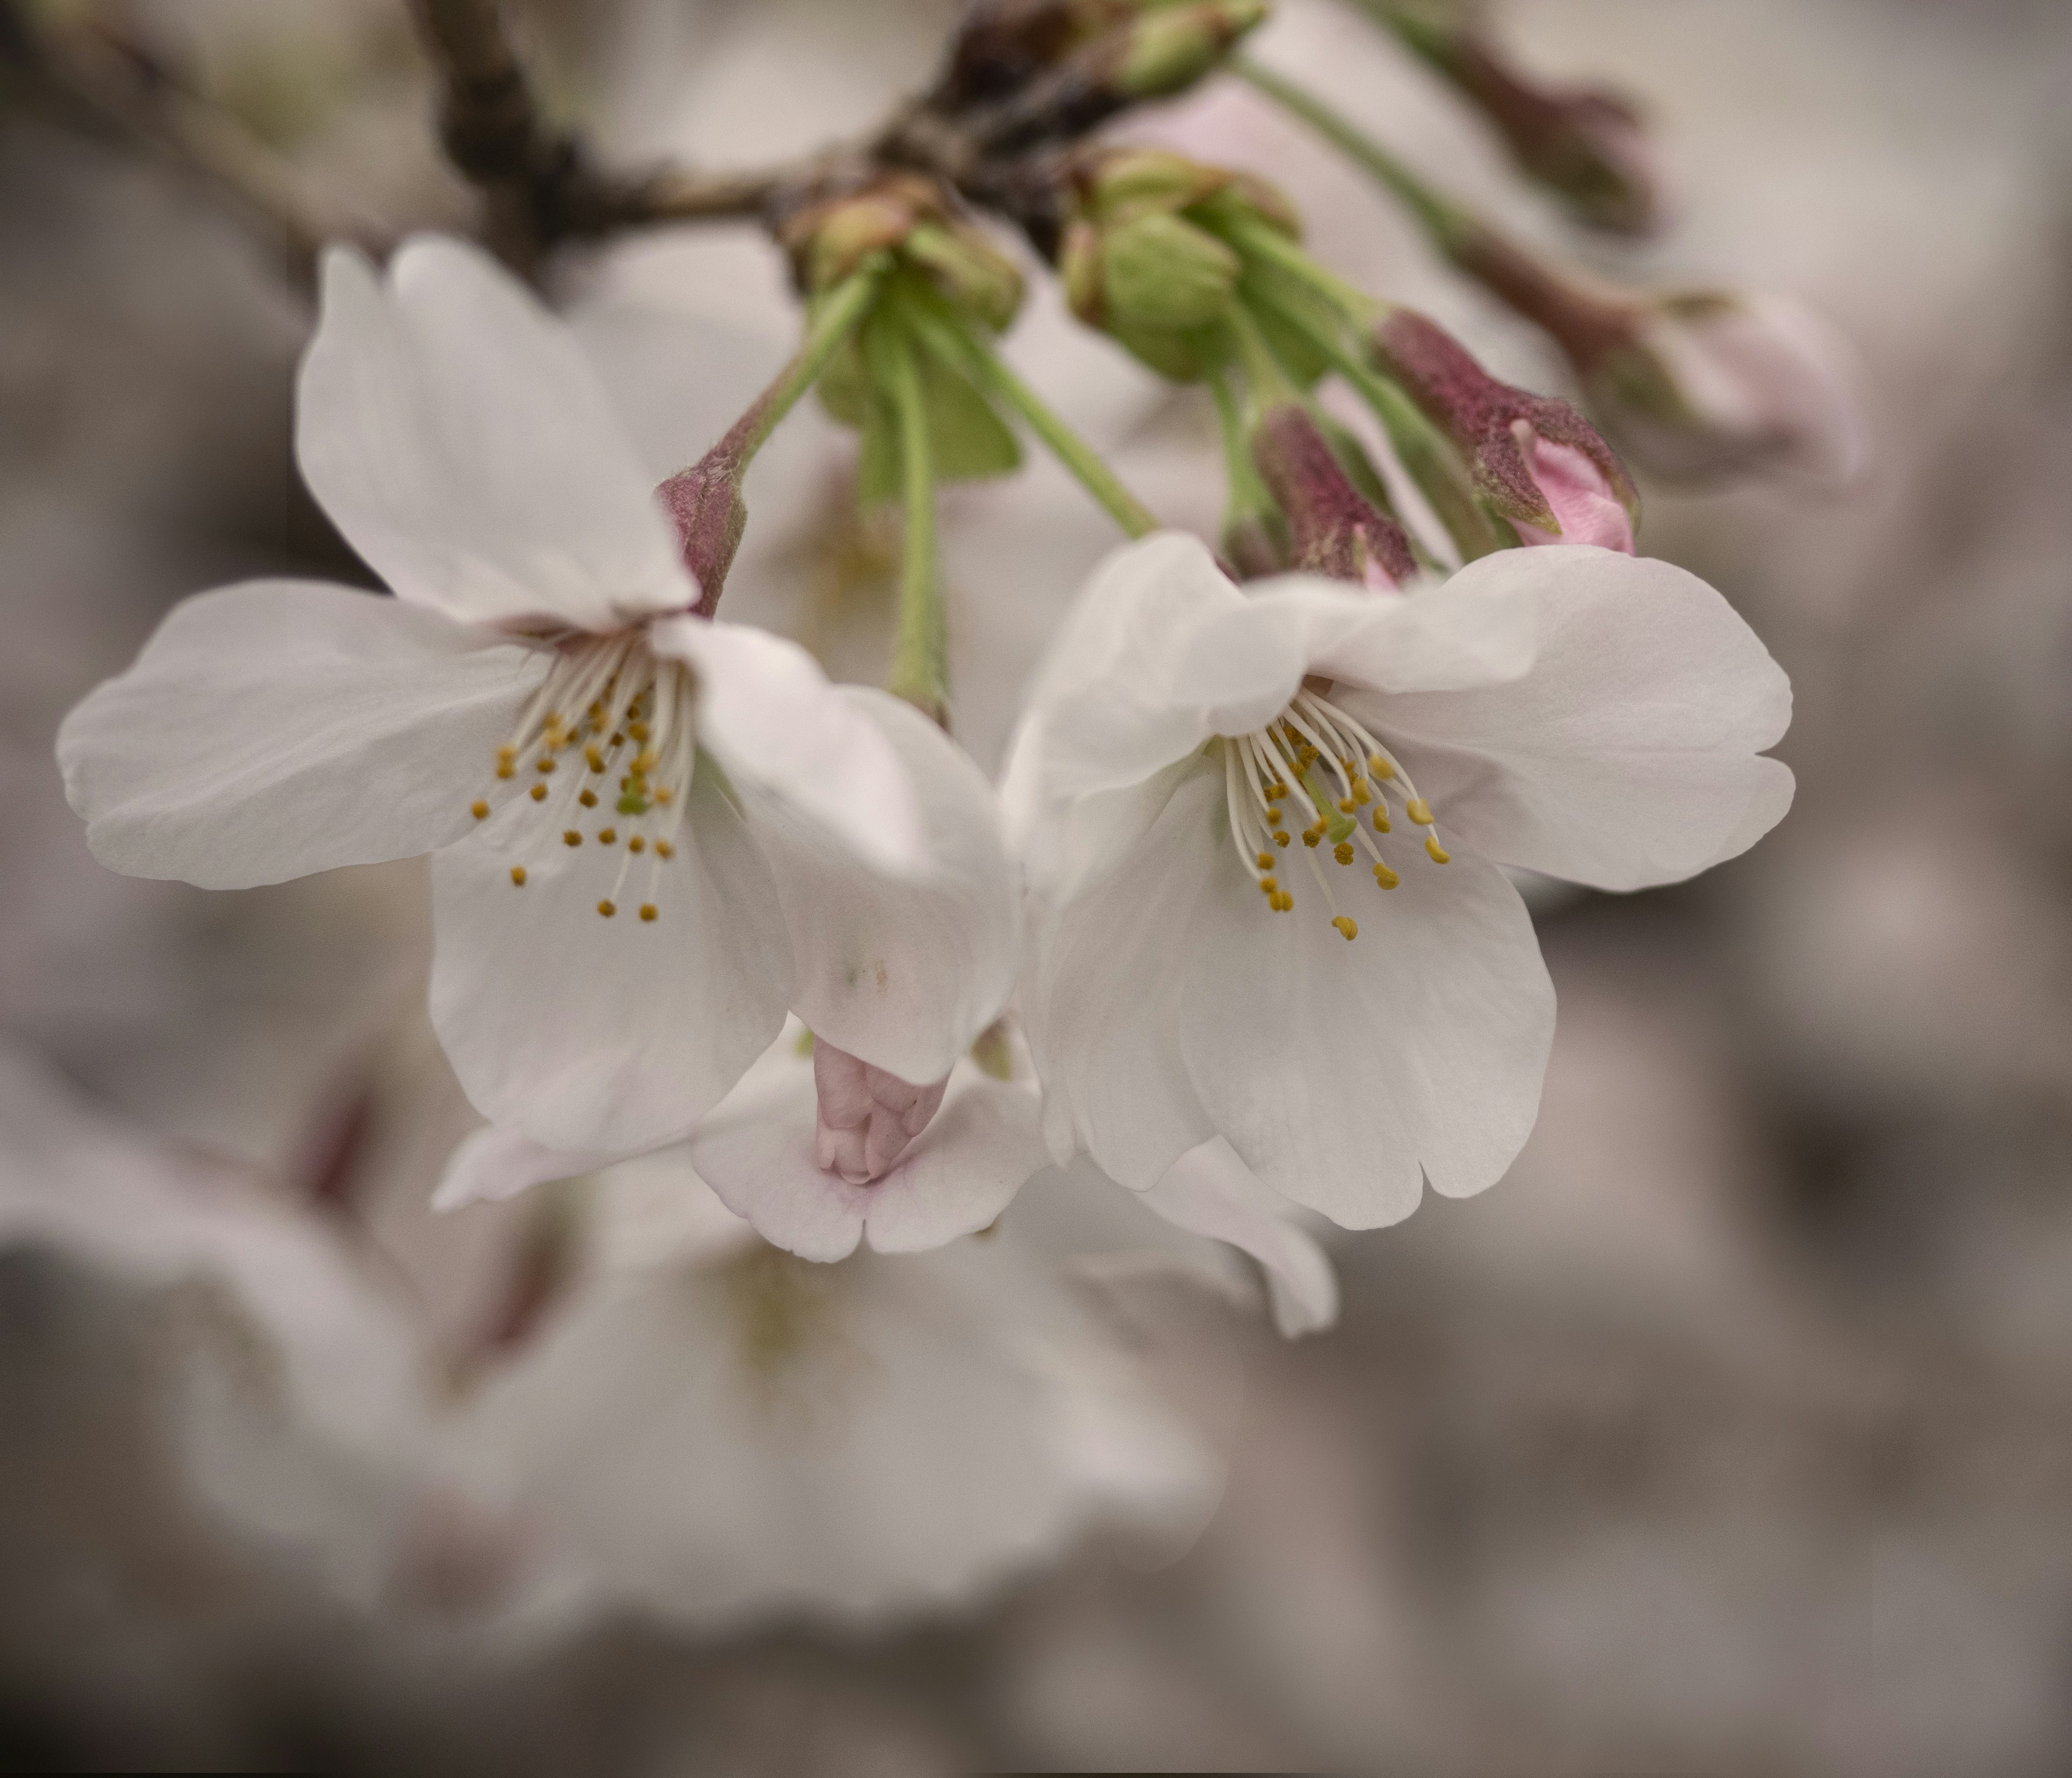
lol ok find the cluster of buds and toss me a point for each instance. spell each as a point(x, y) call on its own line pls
point(911, 219)
point(1536, 461)
point(1143, 258)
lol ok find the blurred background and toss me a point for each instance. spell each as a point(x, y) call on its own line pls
point(1731, 1434)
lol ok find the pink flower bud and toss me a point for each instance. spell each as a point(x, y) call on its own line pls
point(867, 1117)
point(1333, 528)
point(1710, 385)
point(1534, 459)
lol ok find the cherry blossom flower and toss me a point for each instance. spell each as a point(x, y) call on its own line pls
point(1199, 769)
point(653, 832)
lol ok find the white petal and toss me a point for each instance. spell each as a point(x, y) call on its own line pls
point(279, 727)
point(456, 434)
point(903, 972)
point(1210, 1191)
point(1474, 629)
point(1108, 981)
point(1630, 755)
point(756, 1152)
point(766, 709)
point(1159, 652)
point(592, 1034)
point(1344, 1074)
point(495, 1163)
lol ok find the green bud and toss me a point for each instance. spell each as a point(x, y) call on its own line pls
point(968, 269)
point(1171, 47)
point(1160, 272)
point(1125, 182)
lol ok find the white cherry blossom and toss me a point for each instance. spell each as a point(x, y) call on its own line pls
point(1264, 830)
point(654, 832)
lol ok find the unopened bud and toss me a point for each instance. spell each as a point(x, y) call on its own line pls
point(1169, 48)
point(967, 268)
point(866, 1118)
point(1333, 528)
point(1707, 386)
point(1534, 458)
point(908, 215)
point(1160, 272)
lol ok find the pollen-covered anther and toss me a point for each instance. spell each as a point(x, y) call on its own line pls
point(1265, 861)
point(1419, 811)
point(1280, 836)
point(518, 875)
point(1348, 928)
point(543, 766)
point(648, 910)
point(607, 908)
point(1439, 854)
point(663, 849)
point(588, 798)
point(1312, 837)
point(1379, 765)
point(479, 810)
point(571, 837)
point(606, 835)
point(1343, 851)
point(1387, 877)
point(539, 793)
point(636, 844)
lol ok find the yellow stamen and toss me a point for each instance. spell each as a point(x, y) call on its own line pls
point(607, 908)
point(504, 768)
point(572, 838)
point(1343, 851)
point(479, 810)
point(539, 793)
point(544, 765)
point(1387, 877)
point(518, 875)
point(594, 756)
point(1281, 836)
point(1311, 835)
point(1346, 927)
point(663, 849)
point(636, 844)
point(588, 798)
point(648, 910)
point(606, 835)
point(1380, 768)
point(1266, 861)
point(1381, 825)
point(1419, 810)
point(1439, 854)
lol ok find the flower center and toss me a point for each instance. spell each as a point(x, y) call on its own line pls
point(1317, 764)
point(605, 744)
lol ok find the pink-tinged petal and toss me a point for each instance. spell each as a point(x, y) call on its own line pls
point(1579, 492)
point(594, 1034)
point(1105, 993)
point(1212, 1192)
point(769, 714)
point(866, 1118)
point(904, 971)
point(457, 436)
point(1631, 754)
point(758, 1153)
point(1346, 1074)
point(280, 727)
point(495, 1164)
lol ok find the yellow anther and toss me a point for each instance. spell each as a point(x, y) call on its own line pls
point(518, 875)
point(1281, 836)
point(1311, 836)
point(664, 794)
point(572, 838)
point(636, 844)
point(1343, 851)
point(637, 730)
point(617, 740)
point(507, 751)
point(1439, 854)
point(1387, 877)
point(646, 762)
point(539, 793)
point(648, 910)
point(1273, 817)
point(663, 849)
point(1419, 810)
point(1380, 820)
point(1362, 794)
point(1380, 768)
point(1346, 927)
point(1281, 903)
point(543, 765)
point(1266, 861)
point(479, 810)
point(606, 835)
point(594, 755)
point(1346, 805)
point(1268, 884)
point(607, 908)
point(588, 798)
point(504, 768)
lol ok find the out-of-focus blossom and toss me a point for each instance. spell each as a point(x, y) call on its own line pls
point(302, 1413)
point(1708, 386)
point(535, 706)
point(1570, 710)
point(717, 1431)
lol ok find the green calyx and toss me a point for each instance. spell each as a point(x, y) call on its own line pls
point(1170, 48)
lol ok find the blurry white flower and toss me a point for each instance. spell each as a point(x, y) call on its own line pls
point(1709, 385)
point(717, 1431)
point(539, 705)
point(300, 1406)
point(1570, 710)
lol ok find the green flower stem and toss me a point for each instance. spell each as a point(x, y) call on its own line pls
point(1261, 242)
point(920, 653)
point(835, 319)
point(1249, 509)
point(1450, 227)
point(957, 348)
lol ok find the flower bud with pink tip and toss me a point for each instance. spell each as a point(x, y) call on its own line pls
point(1333, 528)
point(1534, 459)
point(867, 1117)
